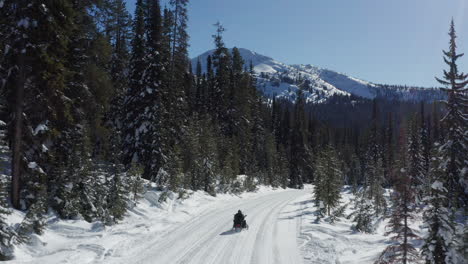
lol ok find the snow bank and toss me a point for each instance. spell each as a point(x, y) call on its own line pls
point(326, 243)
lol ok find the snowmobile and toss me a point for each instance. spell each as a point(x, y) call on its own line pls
point(239, 226)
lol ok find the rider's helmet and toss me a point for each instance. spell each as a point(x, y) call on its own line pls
point(239, 212)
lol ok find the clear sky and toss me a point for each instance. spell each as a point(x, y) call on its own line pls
point(382, 41)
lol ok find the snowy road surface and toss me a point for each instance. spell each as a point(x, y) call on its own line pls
point(271, 238)
point(194, 230)
point(283, 230)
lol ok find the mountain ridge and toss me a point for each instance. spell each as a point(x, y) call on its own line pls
point(281, 80)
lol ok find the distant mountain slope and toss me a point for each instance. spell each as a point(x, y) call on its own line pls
point(281, 80)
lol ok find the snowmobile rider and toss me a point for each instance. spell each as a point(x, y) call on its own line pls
point(239, 218)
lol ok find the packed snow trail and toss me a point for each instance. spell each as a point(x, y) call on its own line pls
point(273, 230)
point(283, 230)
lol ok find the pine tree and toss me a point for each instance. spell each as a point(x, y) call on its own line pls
point(364, 214)
point(328, 180)
point(118, 195)
point(64, 199)
point(146, 123)
point(136, 184)
point(179, 65)
point(455, 149)
point(298, 149)
point(34, 220)
point(6, 232)
point(222, 65)
point(207, 160)
point(282, 167)
point(35, 87)
point(415, 161)
point(118, 31)
point(439, 246)
point(133, 149)
point(401, 251)
point(425, 151)
point(389, 152)
point(374, 169)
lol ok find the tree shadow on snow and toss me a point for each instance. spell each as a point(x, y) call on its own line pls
point(301, 214)
point(304, 202)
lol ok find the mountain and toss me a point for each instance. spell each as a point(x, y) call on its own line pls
point(278, 79)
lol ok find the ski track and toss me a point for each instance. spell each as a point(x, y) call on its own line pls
point(207, 238)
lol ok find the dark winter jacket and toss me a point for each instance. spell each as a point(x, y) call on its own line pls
point(238, 218)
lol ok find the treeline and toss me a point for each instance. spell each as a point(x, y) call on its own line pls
point(421, 156)
point(93, 99)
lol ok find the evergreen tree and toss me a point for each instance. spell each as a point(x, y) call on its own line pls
point(425, 151)
point(374, 169)
point(207, 159)
point(146, 113)
point(6, 232)
point(328, 181)
point(401, 251)
point(298, 148)
point(415, 161)
point(34, 220)
point(118, 31)
point(364, 214)
point(439, 245)
point(38, 37)
point(136, 184)
point(222, 64)
point(455, 149)
point(117, 200)
point(133, 147)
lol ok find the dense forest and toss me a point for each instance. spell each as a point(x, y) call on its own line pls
point(95, 103)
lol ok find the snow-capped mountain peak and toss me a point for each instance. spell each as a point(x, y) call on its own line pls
point(281, 80)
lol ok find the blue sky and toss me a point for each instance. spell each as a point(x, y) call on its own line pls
point(383, 41)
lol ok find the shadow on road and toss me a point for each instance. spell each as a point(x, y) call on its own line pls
point(229, 232)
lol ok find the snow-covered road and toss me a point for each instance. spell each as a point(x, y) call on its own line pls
point(274, 225)
point(197, 230)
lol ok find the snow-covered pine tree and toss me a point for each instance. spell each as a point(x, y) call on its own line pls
point(401, 250)
point(271, 156)
point(455, 148)
point(364, 215)
point(64, 198)
point(425, 151)
point(207, 157)
point(373, 186)
point(135, 183)
point(178, 70)
point(328, 180)
point(118, 195)
point(389, 152)
point(439, 246)
point(34, 220)
point(222, 64)
point(37, 106)
point(132, 130)
point(299, 147)
point(253, 118)
point(6, 232)
point(415, 161)
point(118, 30)
point(189, 155)
point(282, 167)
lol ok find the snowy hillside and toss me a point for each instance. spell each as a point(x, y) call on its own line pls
point(282, 229)
point(279, 79)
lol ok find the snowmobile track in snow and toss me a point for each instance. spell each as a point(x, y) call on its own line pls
point(271, 237)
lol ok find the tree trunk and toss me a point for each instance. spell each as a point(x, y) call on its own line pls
point(18, 133)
